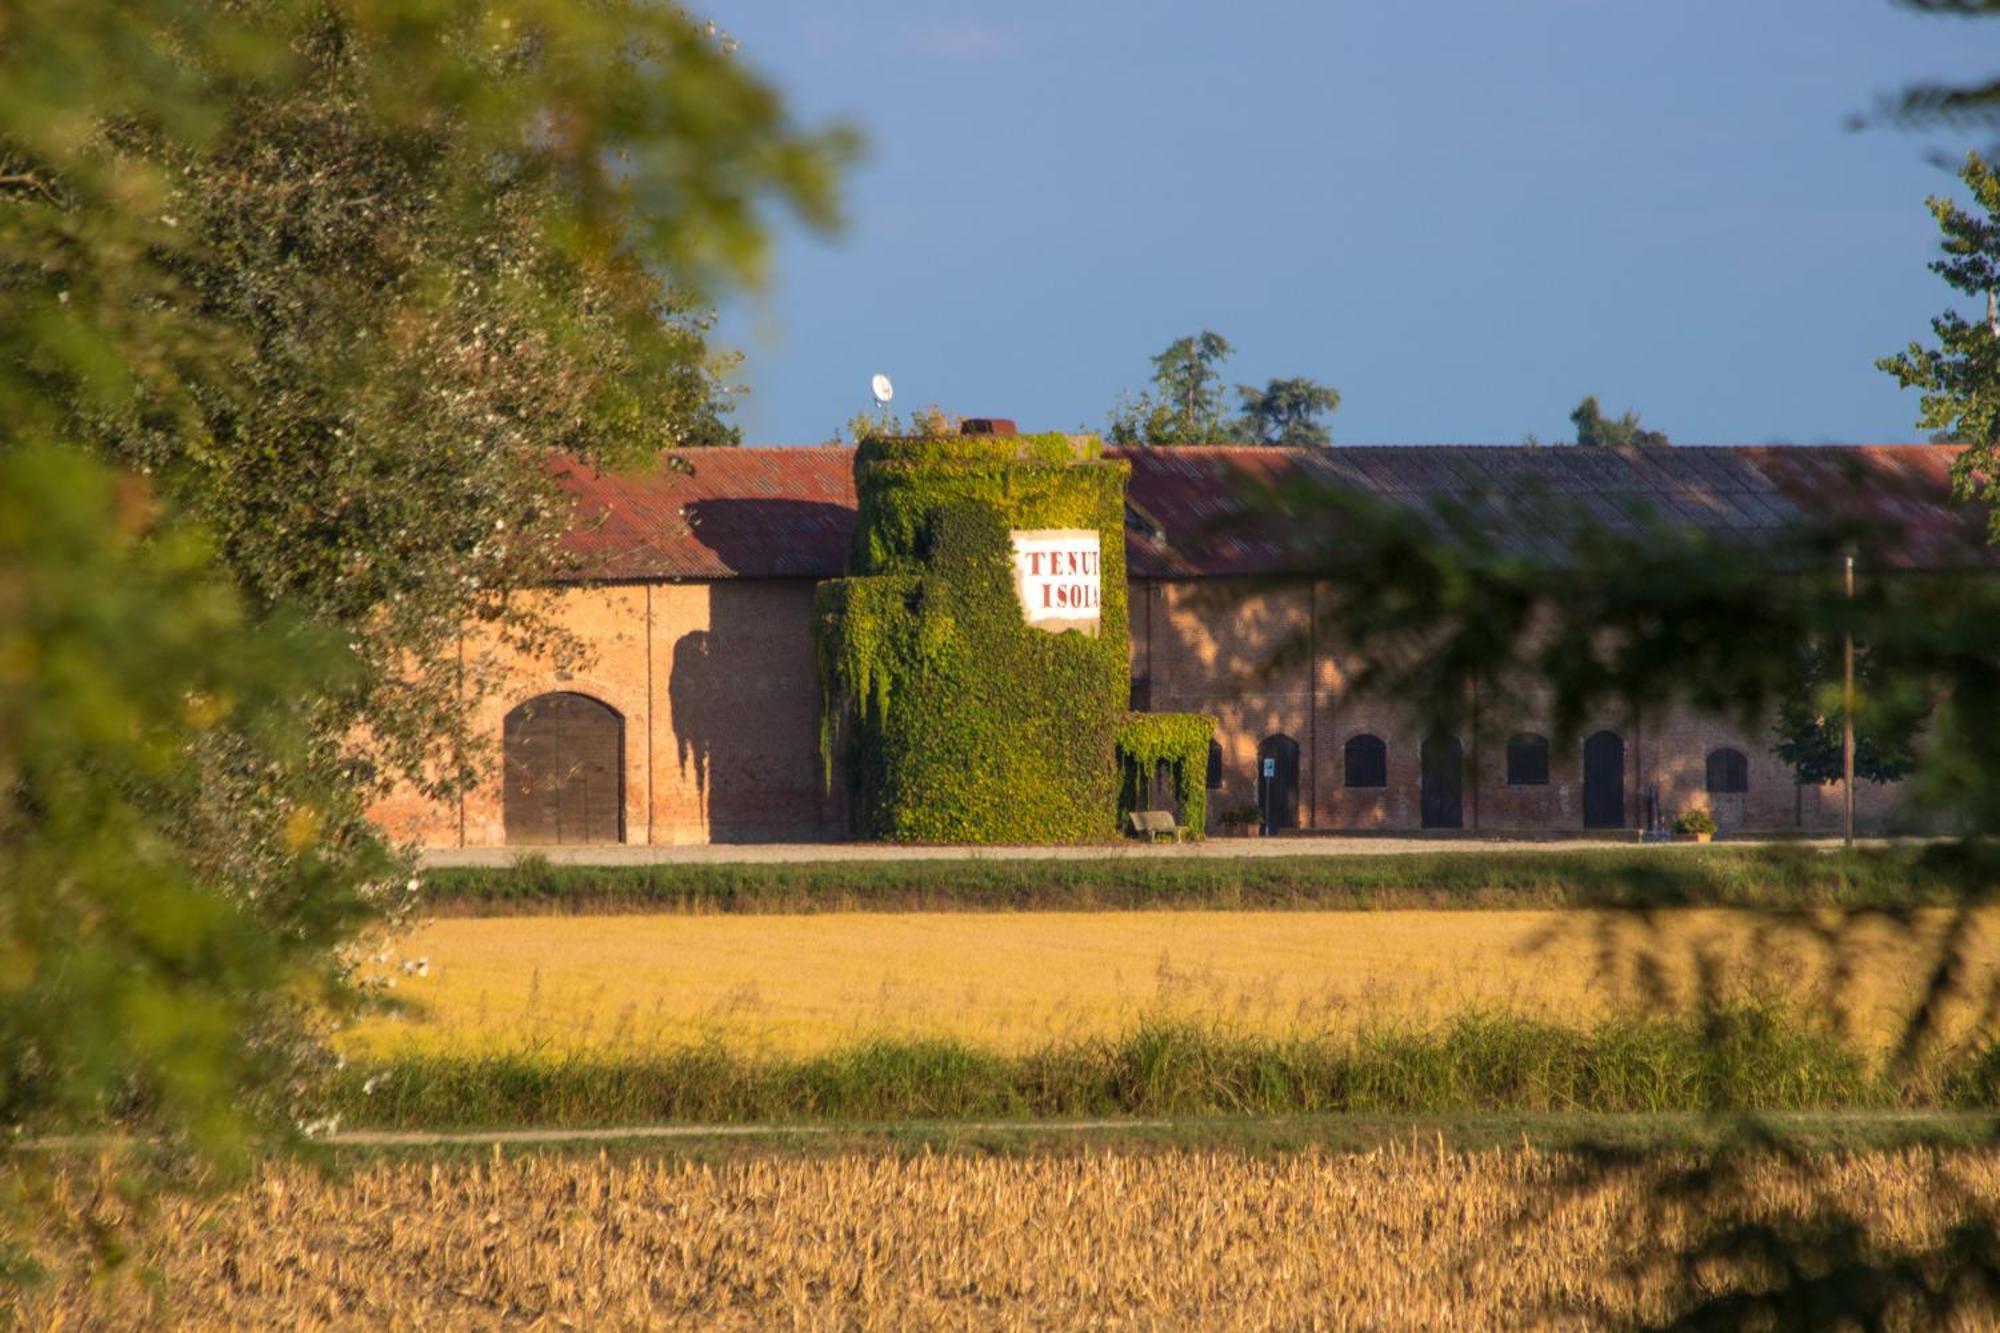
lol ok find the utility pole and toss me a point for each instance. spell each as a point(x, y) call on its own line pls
point(1847, 718)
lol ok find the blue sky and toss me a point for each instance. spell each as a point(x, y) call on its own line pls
point(1464, 215)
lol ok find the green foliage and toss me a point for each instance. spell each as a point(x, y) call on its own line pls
point(324, 273)
point(1774, 878)
point(176, 865)
point(953, 720)
point(333, 277)
point(1754, 1054)
point(1287, 412)
point(931, 422)
point(1595, 429)
point(1693, 822)
point(1889, 719)
point(1180, 741)
point(1185, 404)
point(1960, 377)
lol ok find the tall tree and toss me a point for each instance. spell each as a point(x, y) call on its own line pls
point(1960, 377)
point(325, 280)
point(386, 292)
point(1185, 405)
point(1288, 411)
point(1623, 432)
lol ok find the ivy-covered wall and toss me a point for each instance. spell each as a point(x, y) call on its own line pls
point(1144, 742)
point(950, 718)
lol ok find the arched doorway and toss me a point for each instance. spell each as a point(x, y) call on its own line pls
point(1443, 782)
point(564, 762)
point(1278, 782)
point(1604, 781)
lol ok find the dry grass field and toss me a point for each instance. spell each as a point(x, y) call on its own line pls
point(1013, 981)
point(1403, 1238)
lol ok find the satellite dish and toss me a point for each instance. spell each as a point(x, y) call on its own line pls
point(884, 390)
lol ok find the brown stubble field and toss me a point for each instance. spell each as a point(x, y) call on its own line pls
point(1401, 1237)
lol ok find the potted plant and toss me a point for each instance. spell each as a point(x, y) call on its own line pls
point(1242, 821)
point(1698, 822)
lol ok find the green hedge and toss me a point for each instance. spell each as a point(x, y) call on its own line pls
point(949, 718)
point(1783, 877)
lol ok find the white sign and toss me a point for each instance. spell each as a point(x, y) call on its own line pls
point(1059, 577)
point(1270, 768)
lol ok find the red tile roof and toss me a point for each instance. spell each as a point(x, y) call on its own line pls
point(723, 513)
point(789, 513)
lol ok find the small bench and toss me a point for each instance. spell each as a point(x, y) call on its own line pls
point(1152, 825)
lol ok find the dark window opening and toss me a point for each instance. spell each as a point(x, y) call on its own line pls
point(1366, 762)
point(1728, 772)
point(1214, 765)
point(1527, 760)
point(1441, 802)
point(1140, 697)
point(1278, 782)
point(1604, 781)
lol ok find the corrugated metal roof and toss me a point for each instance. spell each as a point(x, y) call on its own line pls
point(789, 513)
point(1746, 494)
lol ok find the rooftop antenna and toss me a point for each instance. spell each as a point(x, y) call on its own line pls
point(883, 391)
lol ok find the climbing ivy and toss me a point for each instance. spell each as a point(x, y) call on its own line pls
point(951, 719)
point(1179, 740)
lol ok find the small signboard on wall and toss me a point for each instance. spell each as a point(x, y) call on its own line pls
point(1059, 577)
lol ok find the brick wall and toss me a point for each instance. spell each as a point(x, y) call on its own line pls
point(1214, 646)
point(718, 687)
point(718, 690)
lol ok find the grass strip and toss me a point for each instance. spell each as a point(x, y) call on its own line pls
point(1766, 876)
point(1751, 1056)
point(1256, 1136)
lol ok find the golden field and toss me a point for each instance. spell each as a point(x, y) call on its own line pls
point(1397, 1238)
point(1013, 981)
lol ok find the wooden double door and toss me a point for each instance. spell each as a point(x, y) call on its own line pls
point(563, 757)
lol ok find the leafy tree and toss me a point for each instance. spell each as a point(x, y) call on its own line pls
point(392, 294)
point(178, 867)
point(1623, 432)
point(1185, 405)
point(1811, 715)
point(1287, 412)
point(323, 280)
point(1960, 378)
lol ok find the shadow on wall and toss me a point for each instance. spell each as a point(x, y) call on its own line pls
point(743, 693)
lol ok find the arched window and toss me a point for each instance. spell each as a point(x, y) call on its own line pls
point(1214, 765)
point(1366, 761)
point(1728, 772)
point(563, 757)
point(1527, 760)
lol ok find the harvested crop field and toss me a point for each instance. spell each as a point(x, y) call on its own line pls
point(1398, 1238)
point(1018, 981)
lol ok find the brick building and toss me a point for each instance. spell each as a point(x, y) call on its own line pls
point(695, 717)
